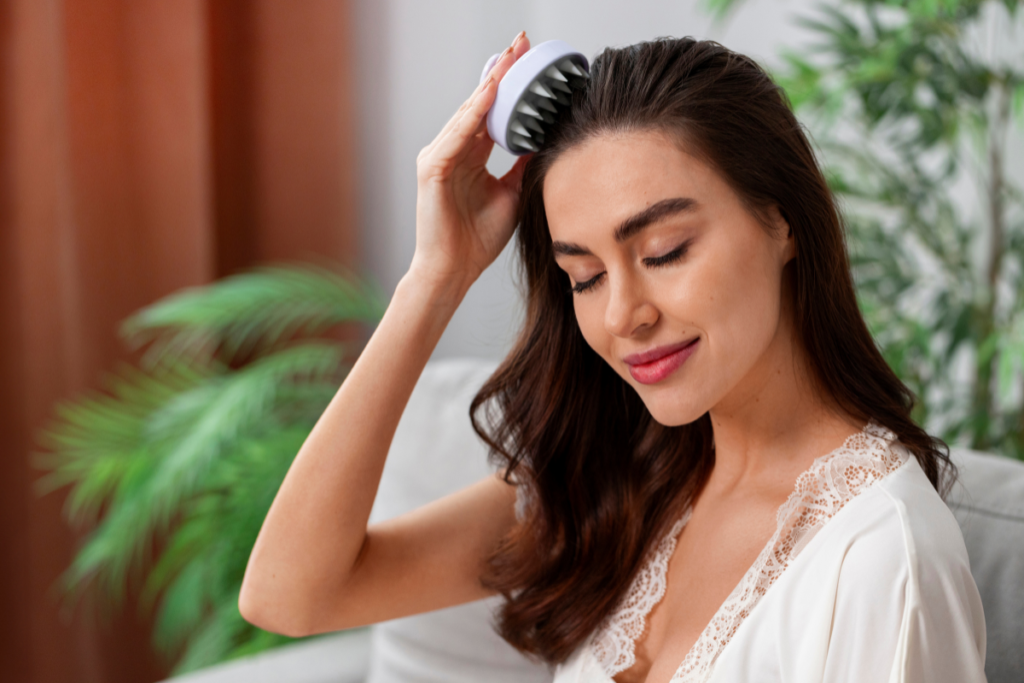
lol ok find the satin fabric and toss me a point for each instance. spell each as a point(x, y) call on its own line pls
point(883, 592)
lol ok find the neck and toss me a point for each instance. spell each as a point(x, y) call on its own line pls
point(777, 420)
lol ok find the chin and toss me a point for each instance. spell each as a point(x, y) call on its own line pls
point(673, 413)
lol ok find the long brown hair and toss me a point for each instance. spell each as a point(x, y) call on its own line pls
point(605, 480)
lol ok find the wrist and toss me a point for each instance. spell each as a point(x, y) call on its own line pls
point(438, 287)
point(442, 293)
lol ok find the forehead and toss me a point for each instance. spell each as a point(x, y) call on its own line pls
point(611, 176)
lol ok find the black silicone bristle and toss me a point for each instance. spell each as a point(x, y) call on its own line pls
point(549, 92)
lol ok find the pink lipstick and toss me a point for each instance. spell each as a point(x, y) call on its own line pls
point(655, 365)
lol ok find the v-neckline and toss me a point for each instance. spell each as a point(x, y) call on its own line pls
point(798, 519)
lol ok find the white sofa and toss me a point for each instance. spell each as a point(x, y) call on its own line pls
point(435, 452)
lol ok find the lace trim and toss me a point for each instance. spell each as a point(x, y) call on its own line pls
point(615, 641)
point(820, 492)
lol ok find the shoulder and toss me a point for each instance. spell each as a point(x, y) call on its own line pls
point(919, 523)
point(906, 577)
point(902, 520)
point(902, 537)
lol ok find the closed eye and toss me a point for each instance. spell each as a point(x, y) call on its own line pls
point(650, 262)
point(581, 287)
point(670, 257)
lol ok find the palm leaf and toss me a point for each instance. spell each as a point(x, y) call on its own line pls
point(187, 435)
point(252, 312)
point(183, 458)
point(97, 442)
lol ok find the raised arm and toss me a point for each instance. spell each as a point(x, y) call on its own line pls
point(315, 566)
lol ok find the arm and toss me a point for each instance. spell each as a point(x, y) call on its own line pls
point(315, 566)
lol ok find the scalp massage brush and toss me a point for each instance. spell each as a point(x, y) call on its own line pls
point(532, 92)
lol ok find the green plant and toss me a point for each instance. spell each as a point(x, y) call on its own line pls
point(174, 466)
point(912, 104)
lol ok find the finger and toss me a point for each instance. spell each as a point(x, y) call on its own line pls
point(471, 123)
point(457, 116)
point(513, 178)
point(478, 149)
point(499, 69)
point(521, 47)
point(461, 121)
point(505, 62)
point(489, 65)
point(502, 64)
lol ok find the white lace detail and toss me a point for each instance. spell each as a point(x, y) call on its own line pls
point(820, 492)
point(615, 641)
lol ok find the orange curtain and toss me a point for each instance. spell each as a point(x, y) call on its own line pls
point(145, 146)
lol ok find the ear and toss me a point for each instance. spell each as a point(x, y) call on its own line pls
point(782, 227)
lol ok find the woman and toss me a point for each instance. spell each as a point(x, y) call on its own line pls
point(709, 472)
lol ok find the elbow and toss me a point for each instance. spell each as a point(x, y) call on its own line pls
point(247, 607)
point(271, 613)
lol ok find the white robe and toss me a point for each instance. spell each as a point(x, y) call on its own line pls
point(879, 590)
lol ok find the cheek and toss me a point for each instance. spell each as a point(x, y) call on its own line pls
point(737, 299)
point(590, 319)
point(755, 299)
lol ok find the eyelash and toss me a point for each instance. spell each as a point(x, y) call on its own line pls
point(581, 287)
point(670, 257)
point(653, 262)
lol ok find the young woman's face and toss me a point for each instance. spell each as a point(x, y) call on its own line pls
point(676, 285)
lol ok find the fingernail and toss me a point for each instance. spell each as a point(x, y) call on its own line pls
point(508, 51)
point(519, 36)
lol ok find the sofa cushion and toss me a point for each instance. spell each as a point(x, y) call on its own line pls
point(436, 452)
point(332, 658)
point(988, 502)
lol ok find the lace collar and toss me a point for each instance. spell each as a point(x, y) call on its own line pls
point(821, 491)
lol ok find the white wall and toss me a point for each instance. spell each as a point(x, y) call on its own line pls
point(419, 59)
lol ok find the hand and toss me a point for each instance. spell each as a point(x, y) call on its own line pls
point(464, 215)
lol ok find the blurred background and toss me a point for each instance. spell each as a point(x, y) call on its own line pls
point(204, 205)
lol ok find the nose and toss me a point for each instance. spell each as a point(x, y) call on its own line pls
point(629, 310)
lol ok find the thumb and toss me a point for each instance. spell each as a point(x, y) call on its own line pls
point(513, 179)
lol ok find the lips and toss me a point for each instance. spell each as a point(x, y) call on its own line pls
point(655, 365)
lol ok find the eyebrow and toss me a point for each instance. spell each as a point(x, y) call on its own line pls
point(634, 224)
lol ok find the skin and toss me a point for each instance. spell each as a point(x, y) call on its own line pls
point(748, 370)
point(317, 566)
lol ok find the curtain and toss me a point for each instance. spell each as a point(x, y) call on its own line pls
point(145, 146)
